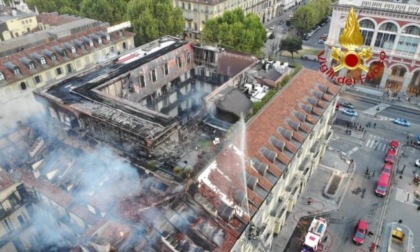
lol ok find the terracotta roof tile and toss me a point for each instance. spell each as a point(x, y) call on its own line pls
point(258, 133)
point(28, 53)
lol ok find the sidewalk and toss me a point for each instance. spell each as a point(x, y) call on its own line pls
point(413, 104)
point(332, 163)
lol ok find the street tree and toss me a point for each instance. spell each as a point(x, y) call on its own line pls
point(235, 30)
point(291, 44)
point(151, 19)
point(305, 18)
point(112, 11)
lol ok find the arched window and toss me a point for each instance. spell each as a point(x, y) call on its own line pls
point(398, 71)
point(367, 28)
point(386, 36)
point(23, 85)
point(415, 81)
point(409, 40)
point(366, 23)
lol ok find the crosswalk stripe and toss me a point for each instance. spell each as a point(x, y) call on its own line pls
point(384, 147)
point(367, 143)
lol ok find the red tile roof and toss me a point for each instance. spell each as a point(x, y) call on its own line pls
point(15, 58)
point(227, 175)
point(54, 19)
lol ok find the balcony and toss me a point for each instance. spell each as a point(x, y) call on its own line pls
point(291, 184)
point(391, 7)
point(189, 15)
point(277, 210)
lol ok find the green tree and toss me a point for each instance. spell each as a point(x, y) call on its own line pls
point(308, 16)
point(112, 11)
point(291, 44)
point(151, 19)
point(71, 7)
point(236, 31)
point(305, 18)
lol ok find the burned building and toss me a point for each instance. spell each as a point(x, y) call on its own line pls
point(143, 98)
point(207, 180)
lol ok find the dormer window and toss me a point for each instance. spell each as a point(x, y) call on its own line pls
point(60, 51)
point(28, 63)
point(1, 76)
point(39, 58)
point(104, 35)
point(96, 38)
point(79, 44)
point(88, 41)
point(12, 67)
point(50, 55)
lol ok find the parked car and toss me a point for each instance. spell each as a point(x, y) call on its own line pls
point(323, 37)
point(350, 112)
point(402, 122)
point(347, 105)
point(418, 139)
point(321, 41)
point(272, 27)
point(417, 163)
point(360, 232)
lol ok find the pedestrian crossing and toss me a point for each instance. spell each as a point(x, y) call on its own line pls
point(377, 143)
point(377, 108)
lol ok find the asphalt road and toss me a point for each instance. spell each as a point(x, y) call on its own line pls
point(360, 202)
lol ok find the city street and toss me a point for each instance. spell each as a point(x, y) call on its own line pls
point(360, 202)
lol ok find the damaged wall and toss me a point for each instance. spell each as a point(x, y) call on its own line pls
point(152, 76)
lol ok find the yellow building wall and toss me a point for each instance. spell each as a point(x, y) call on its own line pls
point(20, 26)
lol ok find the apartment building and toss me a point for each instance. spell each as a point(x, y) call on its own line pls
point(283, 146)
point(65, 46)
point(196, 13)
point(391, 27)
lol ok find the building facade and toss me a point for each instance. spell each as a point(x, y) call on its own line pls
point(58, 52)
point(196, 13)
point(389, 27)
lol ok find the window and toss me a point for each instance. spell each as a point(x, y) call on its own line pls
point(69, 68)
point(23, 85)
point(154, 77)
point(166, 69)
point(1, 76)
point(124, 45)
point(63, 53)
point(188, 57)
point(43, 61)
point(37, 79)
point(58, 71)
point(386, 36)
point(21, 220)
point(31, 65)
point(16, 70)
point(367, 28)
point(178, 60)
point(53, 57)
point(142, 82)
